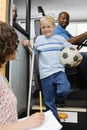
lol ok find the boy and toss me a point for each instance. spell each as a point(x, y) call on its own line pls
point(55, 85)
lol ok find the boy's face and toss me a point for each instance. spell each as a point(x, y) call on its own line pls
point(47, 28)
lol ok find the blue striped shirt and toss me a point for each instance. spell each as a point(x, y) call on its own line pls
point(49, 49)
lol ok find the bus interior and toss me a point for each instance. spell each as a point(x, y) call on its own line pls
point(23, 73)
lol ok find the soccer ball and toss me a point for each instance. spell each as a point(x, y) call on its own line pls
point(70, 56)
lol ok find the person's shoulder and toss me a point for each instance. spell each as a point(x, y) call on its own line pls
point(1, 79)
point(58, 26)
point(58, 29)
point(40, 37)
point(58, 36)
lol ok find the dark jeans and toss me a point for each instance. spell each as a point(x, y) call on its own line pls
point(54, 87)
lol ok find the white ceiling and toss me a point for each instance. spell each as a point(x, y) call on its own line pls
point(76, 8)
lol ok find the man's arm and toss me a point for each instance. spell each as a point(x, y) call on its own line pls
point(78, 39)
point(20, 29)
point(27, 44)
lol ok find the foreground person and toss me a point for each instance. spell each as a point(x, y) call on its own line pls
point(8, 102)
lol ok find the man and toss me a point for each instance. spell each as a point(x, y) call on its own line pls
point(63, 21)
point(15, 24)
point(14, 13)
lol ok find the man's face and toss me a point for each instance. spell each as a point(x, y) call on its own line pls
point(63, 20)
point(14, 13)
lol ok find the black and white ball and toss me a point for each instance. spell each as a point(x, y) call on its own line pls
point(69, 56)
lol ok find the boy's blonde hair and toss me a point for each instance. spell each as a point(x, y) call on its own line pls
point(49, 18)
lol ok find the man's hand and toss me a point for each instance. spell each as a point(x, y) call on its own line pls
point(27, 44)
